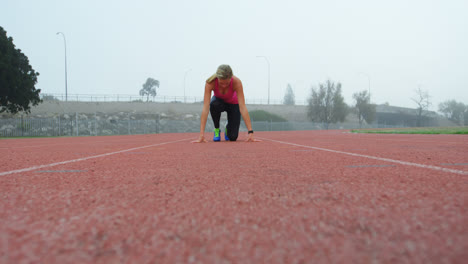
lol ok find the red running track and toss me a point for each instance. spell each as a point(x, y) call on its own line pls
point(295, 197)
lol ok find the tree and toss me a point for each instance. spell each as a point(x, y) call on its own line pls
point(149, 88)
point(17, 78)
point(465, 116)
point(364, 109)
point(289, 98)
point(422, 100)
point(454, 111)
point(326, 104)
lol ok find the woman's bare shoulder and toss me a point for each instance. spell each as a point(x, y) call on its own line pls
point(236, 81)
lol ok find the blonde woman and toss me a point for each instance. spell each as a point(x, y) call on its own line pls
point(228, 97)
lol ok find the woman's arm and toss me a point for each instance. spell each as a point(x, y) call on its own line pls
point(205, 112)
point(243, 108)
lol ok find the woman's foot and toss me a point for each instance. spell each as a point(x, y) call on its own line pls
point(226, 134)
point(216, 136)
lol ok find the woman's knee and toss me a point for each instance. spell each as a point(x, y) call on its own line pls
point(233, 135)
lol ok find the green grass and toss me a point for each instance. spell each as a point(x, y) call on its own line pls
point(422, 130)
point(261, 115)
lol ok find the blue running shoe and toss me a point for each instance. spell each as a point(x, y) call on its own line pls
point(225, 134)
point(216, 135)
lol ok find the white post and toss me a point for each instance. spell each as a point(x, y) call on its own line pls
point(65, 44)
point(185, 75)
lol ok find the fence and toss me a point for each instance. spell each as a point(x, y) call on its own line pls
point(75, 126)
point(137, 98)
point(52, 127)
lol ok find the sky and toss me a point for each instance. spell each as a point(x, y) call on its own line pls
point(390, 47)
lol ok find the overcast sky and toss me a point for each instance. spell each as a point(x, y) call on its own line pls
point(114, 46)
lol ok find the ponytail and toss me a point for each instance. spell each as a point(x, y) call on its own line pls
point(212, 77)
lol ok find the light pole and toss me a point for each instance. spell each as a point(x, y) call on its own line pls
point(65, 43)
point(185, 76)
point(368, 79)
point(268, 76)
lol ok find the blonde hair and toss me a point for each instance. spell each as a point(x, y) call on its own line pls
point(224, 72)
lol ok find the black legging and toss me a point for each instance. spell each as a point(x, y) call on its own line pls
point(217, 106)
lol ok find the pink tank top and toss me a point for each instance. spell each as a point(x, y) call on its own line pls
point(230, 97)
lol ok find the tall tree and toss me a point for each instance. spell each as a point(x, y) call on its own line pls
point(149, 88)
point(454, 111)
point(17, 78)
point(364, 109)
point(422, 100)
point(326, 104)
point(289, 98)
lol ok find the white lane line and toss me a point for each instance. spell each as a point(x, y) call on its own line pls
point(375, 158)
point(86, 158)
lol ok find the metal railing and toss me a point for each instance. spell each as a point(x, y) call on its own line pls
point(138, 98)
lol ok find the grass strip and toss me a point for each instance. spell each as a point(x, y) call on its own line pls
point(419, 130)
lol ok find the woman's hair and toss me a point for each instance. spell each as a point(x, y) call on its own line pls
point(224, 72)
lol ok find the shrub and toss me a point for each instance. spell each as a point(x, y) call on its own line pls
point(261, 115)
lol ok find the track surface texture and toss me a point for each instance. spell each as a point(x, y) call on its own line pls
point(295, 197)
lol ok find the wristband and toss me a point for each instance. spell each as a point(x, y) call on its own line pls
point(250, 131)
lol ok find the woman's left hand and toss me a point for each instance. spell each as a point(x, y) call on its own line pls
point(251, 138)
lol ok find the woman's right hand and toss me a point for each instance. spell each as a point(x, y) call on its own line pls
point(201, 139)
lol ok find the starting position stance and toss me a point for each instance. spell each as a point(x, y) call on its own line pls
point(228, 96)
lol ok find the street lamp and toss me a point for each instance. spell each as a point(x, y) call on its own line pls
point(368, 79)
point(185, 76)
point(65, 43)
point(268, 76)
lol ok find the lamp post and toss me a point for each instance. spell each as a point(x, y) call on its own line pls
point(185, 76)
point(65, 44)
point(268, 76)
point(368, 79)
